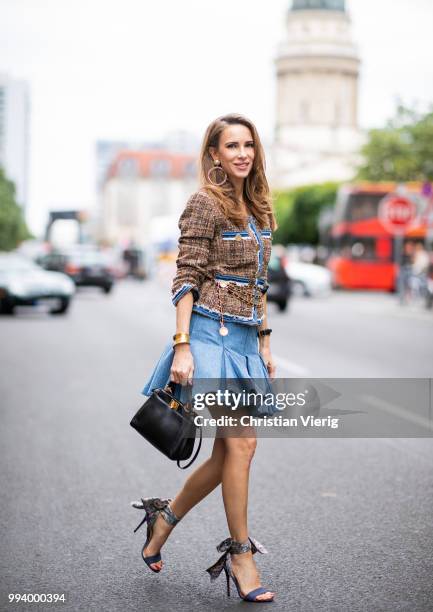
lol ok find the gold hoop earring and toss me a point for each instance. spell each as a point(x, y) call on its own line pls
point(215, 168)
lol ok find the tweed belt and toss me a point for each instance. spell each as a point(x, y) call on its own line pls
point(233, 284)
point(241, 281)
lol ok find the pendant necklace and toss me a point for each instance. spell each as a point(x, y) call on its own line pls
point(223, 329)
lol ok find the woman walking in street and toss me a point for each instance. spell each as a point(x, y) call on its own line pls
point(221, 333)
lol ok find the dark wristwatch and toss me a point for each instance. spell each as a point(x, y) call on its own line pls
point(264, 332)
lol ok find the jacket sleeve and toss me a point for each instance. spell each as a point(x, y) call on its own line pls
point(197, 228)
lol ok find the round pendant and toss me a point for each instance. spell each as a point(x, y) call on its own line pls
point(223, 330)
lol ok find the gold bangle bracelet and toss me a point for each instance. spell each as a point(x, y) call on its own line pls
point(181, 335)
point(181, 342)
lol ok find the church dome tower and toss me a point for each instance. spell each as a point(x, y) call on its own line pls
point(316, 133)
point(330, 5)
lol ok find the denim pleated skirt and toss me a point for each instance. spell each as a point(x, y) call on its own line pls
point(220, 358)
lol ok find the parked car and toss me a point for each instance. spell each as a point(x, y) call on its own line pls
point(23, 283)
point(279, 290)
point(308, 279)
point(86, 267)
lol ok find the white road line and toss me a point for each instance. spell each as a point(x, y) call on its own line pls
point(409, 313)
point(400, 445)
point(416, 316)
point(290, 366)
point(382, 404)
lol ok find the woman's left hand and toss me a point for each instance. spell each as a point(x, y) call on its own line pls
point(267, 358)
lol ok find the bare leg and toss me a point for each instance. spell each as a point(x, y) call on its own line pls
point(197, 486)
point(202, 481)
point(235, 477)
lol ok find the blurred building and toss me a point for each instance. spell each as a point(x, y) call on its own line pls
point(178, 141)
point(144, 194)
point(317, 137)
point(106, 152)
point(14, 134)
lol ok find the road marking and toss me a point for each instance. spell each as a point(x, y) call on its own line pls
point(397, 411)
point(290, 366)
point(394, 310)
point(414, 315)
point(400, 445)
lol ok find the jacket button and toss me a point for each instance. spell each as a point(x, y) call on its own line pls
point(238, 237)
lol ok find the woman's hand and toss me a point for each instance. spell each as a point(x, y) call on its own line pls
point(182, 368)
point(265, 352)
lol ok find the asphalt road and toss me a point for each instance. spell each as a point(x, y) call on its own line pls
point(347, 522)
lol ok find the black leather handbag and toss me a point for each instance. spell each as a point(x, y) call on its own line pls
point(168, 424)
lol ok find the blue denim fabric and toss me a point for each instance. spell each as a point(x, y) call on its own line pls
point(218, 357)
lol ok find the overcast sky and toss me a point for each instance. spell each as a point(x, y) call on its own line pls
point(137, 68)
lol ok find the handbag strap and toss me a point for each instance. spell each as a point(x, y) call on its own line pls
point(182, 467)
point(171, 385)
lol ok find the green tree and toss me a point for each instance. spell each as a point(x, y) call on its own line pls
point(13, 228)
point(401, 151)
point(297, 212)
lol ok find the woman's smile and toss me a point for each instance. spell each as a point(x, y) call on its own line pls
point(243, 166)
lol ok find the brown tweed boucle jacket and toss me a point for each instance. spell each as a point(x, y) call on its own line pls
point(213, 250)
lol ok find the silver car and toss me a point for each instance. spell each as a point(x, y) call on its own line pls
point(24, 283)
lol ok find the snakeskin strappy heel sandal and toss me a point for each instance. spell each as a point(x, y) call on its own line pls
point(152, 507)
point(224, 563)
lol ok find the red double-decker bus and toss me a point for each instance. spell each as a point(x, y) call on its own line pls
point(362, 248)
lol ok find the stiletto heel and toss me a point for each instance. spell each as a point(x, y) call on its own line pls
point(143, 521)
point(224, 563)
point(153, 506)
point(228, 582)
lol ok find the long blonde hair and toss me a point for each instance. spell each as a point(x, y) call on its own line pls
point(256, 189)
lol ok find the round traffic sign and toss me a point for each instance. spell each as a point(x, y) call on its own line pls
point(397, 213)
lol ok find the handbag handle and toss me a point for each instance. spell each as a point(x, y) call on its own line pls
point(171, 387)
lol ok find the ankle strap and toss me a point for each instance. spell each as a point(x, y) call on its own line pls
point(169, 515)
point(156, 504)
point(235, 547)
point(239, 547)
point(232, 546)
